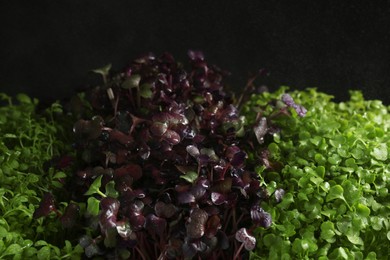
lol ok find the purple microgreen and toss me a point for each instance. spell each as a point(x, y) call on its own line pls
point(218, 198)
point(172, 137)
point(185, 197)
point(279, 193)
point(248, 240)
point(165, 210)
point(289, 101)
point(195, 55)
point(196, 223)
point(46, 206)
point(159, 128)
point(168, 162)
point(193, 151)
point(70, 216)
point(133, 170)
point(260, 217)
point(261, 129)
point(155, 224)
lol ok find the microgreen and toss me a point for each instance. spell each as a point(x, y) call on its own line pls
point(30, 142)
point(335, 174)
point(168, 165)
point(162, 171)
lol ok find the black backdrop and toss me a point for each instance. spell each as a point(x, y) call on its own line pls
point(48, 47)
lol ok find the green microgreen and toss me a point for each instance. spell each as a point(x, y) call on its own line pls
point(30, 142)
point(336, 175)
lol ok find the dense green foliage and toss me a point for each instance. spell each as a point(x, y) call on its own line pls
point(333, 165)
point(29, 141)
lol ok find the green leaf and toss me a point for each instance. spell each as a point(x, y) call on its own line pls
point(3, 232)
point(44, 253)
point(110, 190)
point(286, 201)
point(189, 176)
point(23, 98)
point(339, 253)
point(93, 205)
point(131, 82)
point(8, 135)
point(40, 243)
point(104, 71)
point(327, 231)
point(335, 192)
point(68, 247)
point(269, 240)
point(13, 249)
point(362, 210)
point(145, 91)
point(59, 175)
point(354, 237)
point(95, 186)
point(30, 252)
point(380, 152)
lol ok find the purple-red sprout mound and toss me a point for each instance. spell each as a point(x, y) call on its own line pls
point(164, 159)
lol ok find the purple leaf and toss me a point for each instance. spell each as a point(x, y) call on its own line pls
point(124, 230)
point(193, 151)
point(108, 216)
point(218, 198)
point(195, 55)
point(70, 216)
point(289, 101)
point(155, 224)
point(172, 137)
point(165, 210)
point(46, 206)
point(261, 130)
point(248, 240)
point(133, 170)
point(88, 129)
point(238, 159)
point(185, 197)
point(136, 206)
point(260, 217)
point(231, 151)
point(196, 223)
point(223, 186)
point(158, 128)
point(212, 226)
point(279, 193)
point(137, 221)
point(198, 191)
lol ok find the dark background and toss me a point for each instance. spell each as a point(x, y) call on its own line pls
point(49, 47)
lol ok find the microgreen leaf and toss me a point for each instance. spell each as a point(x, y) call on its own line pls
point(333, 161)
point(132, 82)
point(335, 192)
point(95, 187)
point(380, 152)
point(189, 176)
point(104, 71)
point(145, 91)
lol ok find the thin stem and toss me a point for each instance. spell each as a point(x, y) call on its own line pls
point(236, 256)
point(227, 219)
point(234, 220)
point(101, 193)
point(141, 253)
